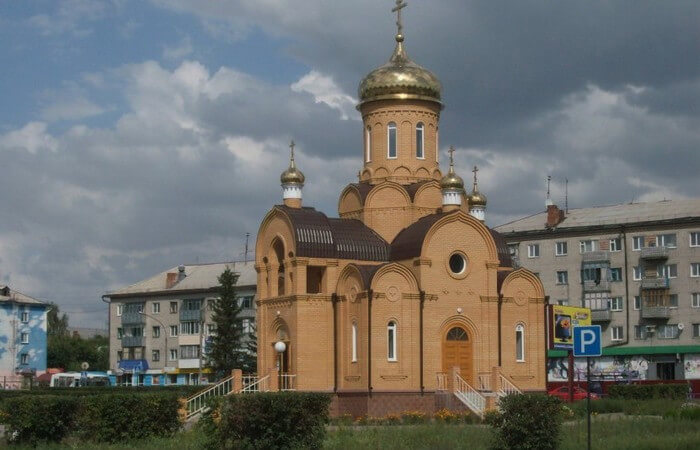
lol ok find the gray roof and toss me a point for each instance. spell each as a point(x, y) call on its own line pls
point(197, 277)
point(629, 213)
point(9, 295)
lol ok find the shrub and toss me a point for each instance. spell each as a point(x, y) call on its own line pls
point(688, 411)
point(445, 416)
point(272, 420)
point(38, 418)
point(413, 417)
point(527, 422)
point(648, 391)
point(97, 418)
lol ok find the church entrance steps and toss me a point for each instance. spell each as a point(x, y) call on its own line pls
point(472, 398)
point(195, 405)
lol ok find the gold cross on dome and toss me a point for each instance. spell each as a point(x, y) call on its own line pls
point(476, 169)
point(451, 151)
point(291, 147)
point(400, 4)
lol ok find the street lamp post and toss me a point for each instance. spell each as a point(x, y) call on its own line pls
point(280, 347)
point(165, 335)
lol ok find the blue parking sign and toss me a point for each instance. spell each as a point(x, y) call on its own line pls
point(588, 341)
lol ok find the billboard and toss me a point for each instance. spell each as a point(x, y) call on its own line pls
point(562, 320)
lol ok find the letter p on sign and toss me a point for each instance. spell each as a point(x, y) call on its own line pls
point(588, 341)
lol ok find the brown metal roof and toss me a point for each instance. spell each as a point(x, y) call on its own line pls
point(409, 242)
point(413, 188)
point(367, 272)
point(502, 248)
point(364, 188)
point(317, 236)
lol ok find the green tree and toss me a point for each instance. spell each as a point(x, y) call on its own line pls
point(227, 351)
point(57, 325)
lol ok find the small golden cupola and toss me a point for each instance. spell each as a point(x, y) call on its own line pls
point(292, 181)
point(400, 103)
point(452, 187)
point(477, 200)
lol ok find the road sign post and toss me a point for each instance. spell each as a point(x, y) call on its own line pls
point(588, 342)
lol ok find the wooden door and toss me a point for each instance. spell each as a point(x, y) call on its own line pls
point(457, 351)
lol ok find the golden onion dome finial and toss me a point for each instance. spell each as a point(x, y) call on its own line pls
point(452, 180)
point(476, 198)
point(292, 175)
point(400, 78)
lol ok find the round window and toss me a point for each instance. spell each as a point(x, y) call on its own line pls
point(457, 263)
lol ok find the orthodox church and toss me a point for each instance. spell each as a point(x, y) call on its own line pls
point(407, 300)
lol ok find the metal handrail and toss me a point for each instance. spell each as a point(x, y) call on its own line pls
point(259, 385)
point(507, 387)
point(469, 396)
point(441, 381)
point(287, 382)
point(485, 382)
point(197, 402)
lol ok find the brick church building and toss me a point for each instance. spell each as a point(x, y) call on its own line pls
point(407, 300)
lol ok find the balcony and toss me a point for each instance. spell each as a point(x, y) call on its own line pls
point(655, 283)
point(593, 286)
point(601, 315)
point(190, 315)
point(132, 341)
point(652, 253)
point(599, 256)
point(656, 312)
point(135, 318)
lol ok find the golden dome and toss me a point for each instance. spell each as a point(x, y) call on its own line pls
point(292, 175)
point(452, 180)
point(400, 78)
point(476, 198)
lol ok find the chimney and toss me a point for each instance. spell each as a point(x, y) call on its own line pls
point(554, 216)
point(170, 280)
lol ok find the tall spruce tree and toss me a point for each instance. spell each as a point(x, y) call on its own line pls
point(227, 350)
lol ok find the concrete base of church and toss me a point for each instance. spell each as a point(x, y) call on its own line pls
point(380, 404)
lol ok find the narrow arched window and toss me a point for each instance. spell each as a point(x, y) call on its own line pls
point(354, 342)
point(391, 139)
point(437, 145)
point(520, 343)
point(391, 341)
point(419, 141)
point(368, 148)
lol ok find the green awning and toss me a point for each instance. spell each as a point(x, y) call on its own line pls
point(656, 350)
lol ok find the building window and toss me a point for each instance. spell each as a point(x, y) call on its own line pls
point(667, 270)
point(211, 329)
point(513, 250)
point(695, 239)
point(668, 331)
point(636, 273)
point(673, 300)
point(666, 240)
point(24, 338)
point(155, 355)
point(189, 327)
point(391, 140)
point(24, 358)
point(354, 342)
point(192, 305)
point(24, 317)
point(696, 330)
point(120, 332)
point(419, 141)
point(246, 302)
point(173, 307)
point(247, 325)
point(391, 341)
point(637, 302)
point(189, 351)
point(156, 332)
point(616, 333)
point(640, 332)
point(561, 249)
point(173, 354)
point(533, 251)
point(616, 304)
point(593, 274)
point(457, 263)
point(694, 269)
point(120, 309)
point(520, 343)
point(695, 299)
point(368, 148)
point(120, 355)
point(563, 302)
point(134, 332)
point(173, 330)
point(615, 274)
point(637, 243)
point(615, 245)
point(155, 308)
point(562, 277)
point(587, 246)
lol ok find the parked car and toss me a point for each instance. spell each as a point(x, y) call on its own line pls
point(579, 394)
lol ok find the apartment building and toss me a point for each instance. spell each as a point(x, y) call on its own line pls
point(637, 266)
point(159, 328)
point(22, 338)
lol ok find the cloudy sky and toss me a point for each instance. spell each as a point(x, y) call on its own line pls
point(137, 135)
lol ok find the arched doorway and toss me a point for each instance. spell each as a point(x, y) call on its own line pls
point(457, 351)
